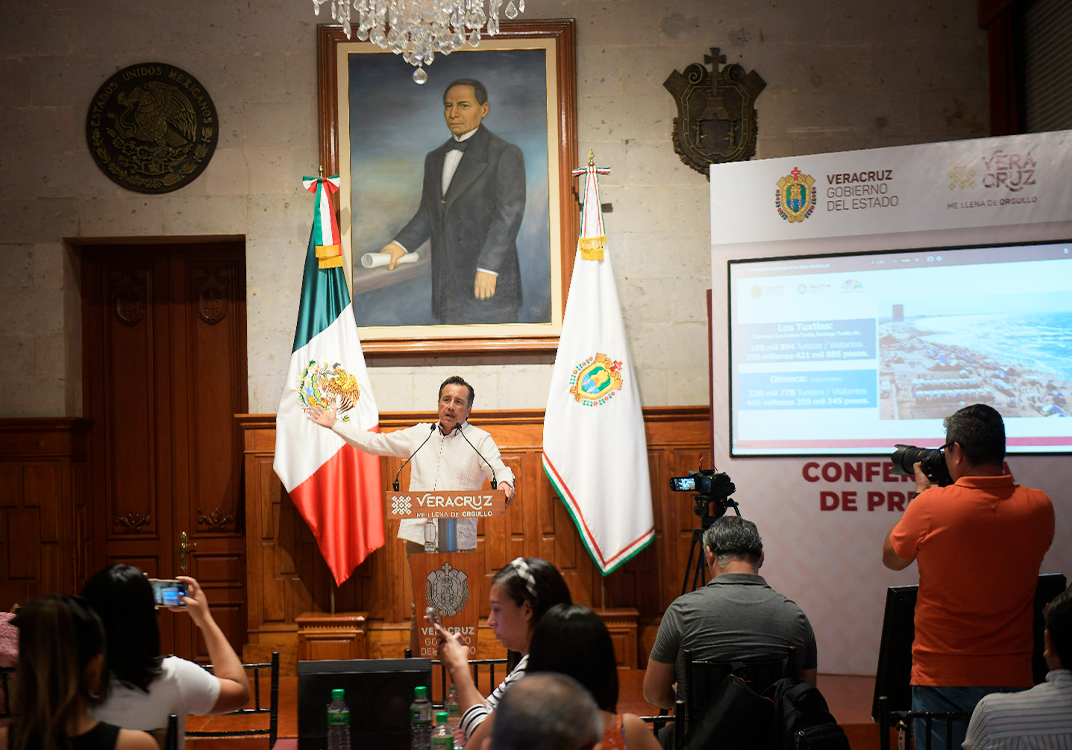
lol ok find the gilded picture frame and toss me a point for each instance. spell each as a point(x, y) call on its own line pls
point(376, 128)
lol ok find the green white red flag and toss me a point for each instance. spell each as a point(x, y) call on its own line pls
point(334, 486)
point(594, 447)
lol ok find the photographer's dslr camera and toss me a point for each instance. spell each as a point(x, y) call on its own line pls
point(931, 460)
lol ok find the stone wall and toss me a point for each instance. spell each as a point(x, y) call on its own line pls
point(841, 74)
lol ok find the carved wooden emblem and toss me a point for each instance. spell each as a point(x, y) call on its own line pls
point(132, 521)
point(213, 293)
point(716, 120)
point(130, 295)
point(216, 519)
point(152, 128)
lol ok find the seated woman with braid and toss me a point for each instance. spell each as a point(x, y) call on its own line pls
point(520, 593)
point(573, 640)
point(60, 672)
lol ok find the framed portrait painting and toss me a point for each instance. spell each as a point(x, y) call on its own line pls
point(464, 182)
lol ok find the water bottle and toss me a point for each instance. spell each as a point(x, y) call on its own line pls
point(430, 530)
point(420, 720)
point(442, 737)
point(454, 717)
point(338, 721)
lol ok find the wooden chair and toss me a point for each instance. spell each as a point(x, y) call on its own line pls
point(664, 718)
point(171, 736)
point(272, 709)
point(702, 677)
point(903, 722)
point(484, 676)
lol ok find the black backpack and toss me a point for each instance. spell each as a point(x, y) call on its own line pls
point(802, 719)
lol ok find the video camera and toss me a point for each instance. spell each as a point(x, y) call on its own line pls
point(931, 460)
point(712, 490)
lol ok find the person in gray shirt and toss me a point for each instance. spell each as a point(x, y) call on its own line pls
point(735, 616)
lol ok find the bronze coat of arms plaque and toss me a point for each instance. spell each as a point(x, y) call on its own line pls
point(716, 120)
point(152, 128)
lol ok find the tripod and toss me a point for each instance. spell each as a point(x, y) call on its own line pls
point(696, 550)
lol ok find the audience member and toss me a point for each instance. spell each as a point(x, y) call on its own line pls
point(1039, 718)
point(572, 640)
point(520, 594)
point(546, 712)
point(144, 687)
point(978, 543)
point(9, 653)
point(59, 673)
point(735, 616)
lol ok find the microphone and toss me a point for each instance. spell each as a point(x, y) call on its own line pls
point(494, 484)
point(411, 455)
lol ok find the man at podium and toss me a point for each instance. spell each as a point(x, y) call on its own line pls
point(444, 456)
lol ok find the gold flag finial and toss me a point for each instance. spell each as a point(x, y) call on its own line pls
point(321, 172)
point(591, 158)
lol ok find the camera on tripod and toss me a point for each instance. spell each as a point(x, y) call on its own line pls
point(711, 493)
point(711, 496)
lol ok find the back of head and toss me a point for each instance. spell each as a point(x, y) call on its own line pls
point(572, 640)
point(123, 597)
point(980, 432)
point(1059, 626)
point(734, 538)
point(533, 580)
point(58, 638)
point(546, 712)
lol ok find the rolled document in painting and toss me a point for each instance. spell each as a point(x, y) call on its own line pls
point(376, 260)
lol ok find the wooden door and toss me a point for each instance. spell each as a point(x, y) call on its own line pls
point(164, 374)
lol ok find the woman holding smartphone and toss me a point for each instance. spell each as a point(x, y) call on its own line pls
point(144, 687)
point(520, 593)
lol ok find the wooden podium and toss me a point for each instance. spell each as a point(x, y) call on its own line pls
point(448, 582)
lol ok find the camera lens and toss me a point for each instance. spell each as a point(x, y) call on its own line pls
point(931, 460)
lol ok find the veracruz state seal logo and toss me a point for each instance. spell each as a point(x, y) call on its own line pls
point(795, 196)
point(447, 590)
point(323, 386)
point(595, 380)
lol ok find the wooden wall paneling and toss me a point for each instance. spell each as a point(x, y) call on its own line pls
point(287, 576)
point(43, 537)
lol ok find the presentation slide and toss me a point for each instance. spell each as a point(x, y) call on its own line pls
point(851, 354)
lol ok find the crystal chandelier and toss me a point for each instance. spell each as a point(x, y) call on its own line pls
point(418, 29)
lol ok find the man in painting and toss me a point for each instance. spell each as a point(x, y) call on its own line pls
point(471, 208)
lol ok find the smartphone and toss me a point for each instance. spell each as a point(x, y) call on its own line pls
point(167, 592)
point(430, 613)
point(683, 484)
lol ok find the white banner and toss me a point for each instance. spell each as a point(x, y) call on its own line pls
point(823, 518)
point(973, 183)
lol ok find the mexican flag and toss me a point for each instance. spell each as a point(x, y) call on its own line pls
point(594, 449)
point(334, 486)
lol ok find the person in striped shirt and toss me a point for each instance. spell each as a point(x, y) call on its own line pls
point(1039, 718)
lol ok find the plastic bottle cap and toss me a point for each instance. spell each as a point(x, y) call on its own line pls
point(338, 694)
point(420, 691)
point(442, 717)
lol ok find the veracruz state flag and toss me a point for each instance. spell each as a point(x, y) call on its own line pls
point(334, 486)
point(594, 449)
